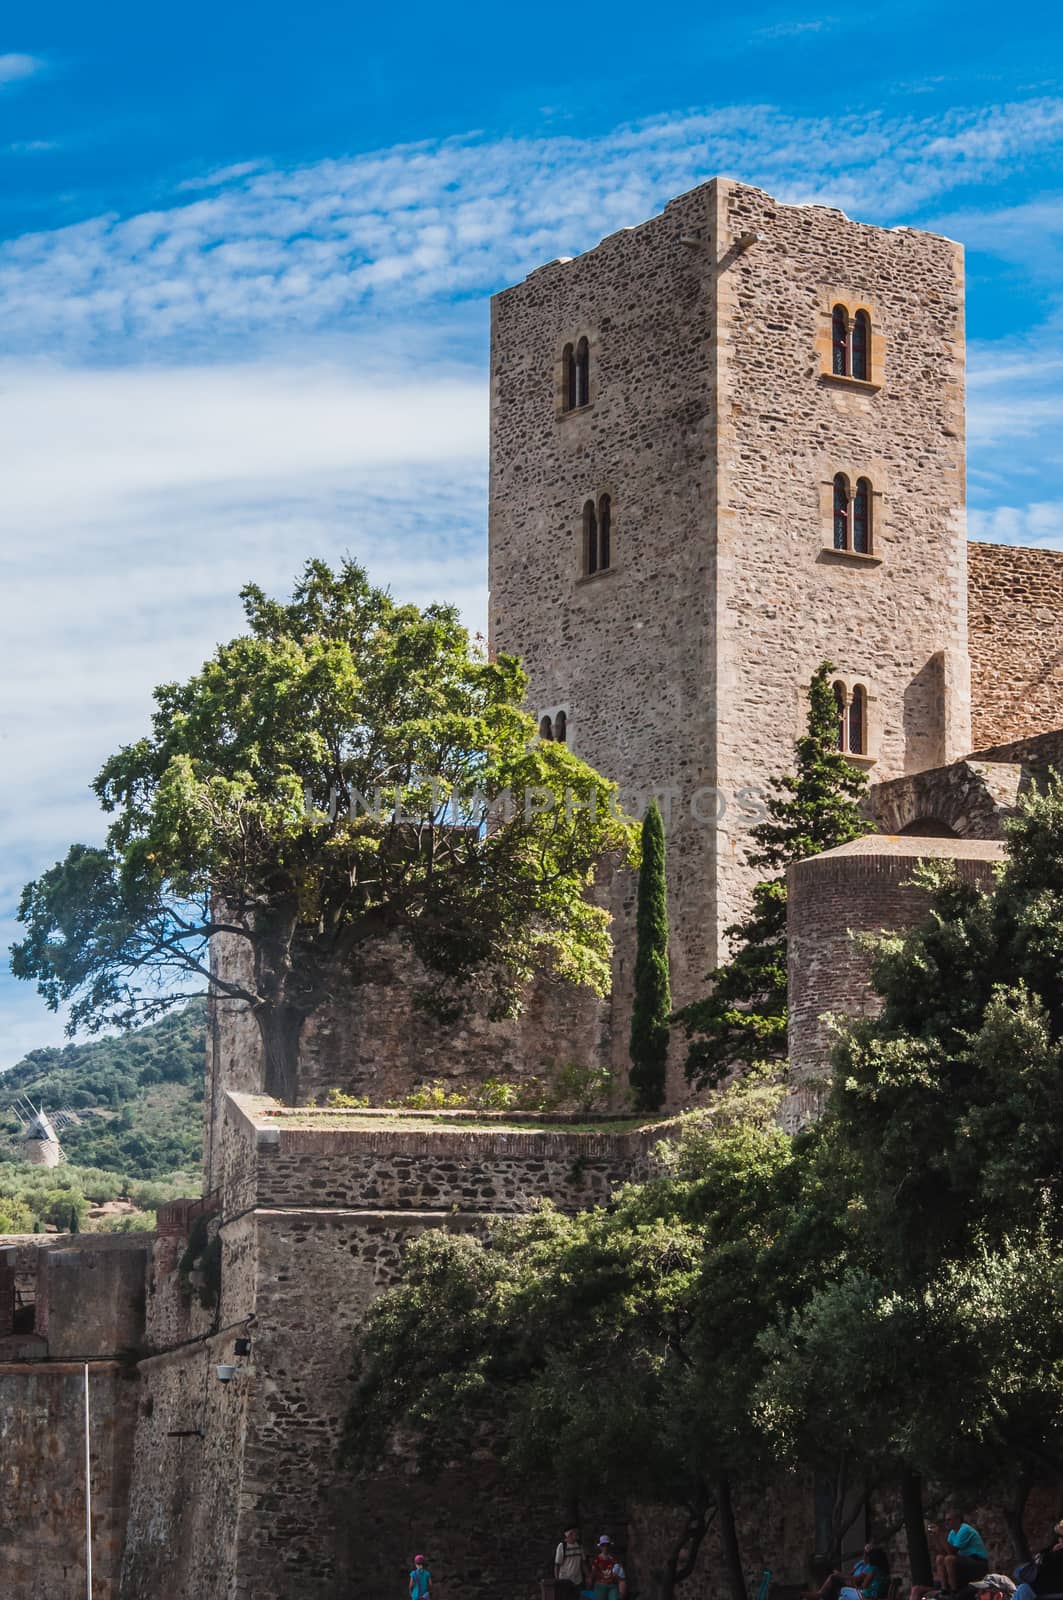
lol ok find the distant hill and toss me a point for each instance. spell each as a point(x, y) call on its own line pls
point(138, 1096)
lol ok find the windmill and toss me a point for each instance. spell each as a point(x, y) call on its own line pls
point(39, 1132)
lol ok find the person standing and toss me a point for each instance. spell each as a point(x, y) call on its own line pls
point(420, 1580)
point(570, 1563)
point(607, 1575)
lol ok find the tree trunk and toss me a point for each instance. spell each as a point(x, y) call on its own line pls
point(1013, 1516)
point(915, 1527)
point(729, 1547)
point(679, 1566)
point(280, 1027)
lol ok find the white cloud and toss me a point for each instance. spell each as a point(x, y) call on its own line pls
point(14, 67)
point(223, 175)
point(1040, 523)
point(314, 247)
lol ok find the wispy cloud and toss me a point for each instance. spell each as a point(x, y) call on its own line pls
point(316, 246)
point(794, 30)
point(222, 175)
point(29, 147)
point(15, 67)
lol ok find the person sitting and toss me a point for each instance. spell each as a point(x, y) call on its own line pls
point(960, 1555)
point(827, 1582)
point(874, 1579)
point(871, 1576)
point(1042, 1578)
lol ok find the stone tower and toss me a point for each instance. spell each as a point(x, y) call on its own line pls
point(727, 445)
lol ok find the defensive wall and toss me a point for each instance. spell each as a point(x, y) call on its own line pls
point(67, 1300)
point(314, 1210)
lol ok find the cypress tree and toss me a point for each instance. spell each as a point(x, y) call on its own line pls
point(653, 1002)
point(742, 1020)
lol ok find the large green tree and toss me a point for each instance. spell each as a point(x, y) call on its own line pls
point(347, 769)
point(613, 1352)
point(652, 1003)
point(742, 1020)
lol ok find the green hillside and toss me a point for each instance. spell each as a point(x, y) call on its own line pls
point(139, 1130)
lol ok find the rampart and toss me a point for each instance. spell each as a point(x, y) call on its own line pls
point(314, 1213)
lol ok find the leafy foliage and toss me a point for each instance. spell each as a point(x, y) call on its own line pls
point(742, 1020)
point(138, 1097)
point(347, 769)
point(652, 999)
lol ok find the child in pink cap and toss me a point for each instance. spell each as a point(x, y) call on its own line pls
point(420, 1580)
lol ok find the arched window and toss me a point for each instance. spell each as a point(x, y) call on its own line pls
point(568, 371)
point(840, 341)
point(839, 701)
point(858, 721)
point(590, 538)
point(561, 727)
point(605, 518)
point(860, 349)
point(582, 374)
point(546, 728)
point(861, 518)
point(841, 511)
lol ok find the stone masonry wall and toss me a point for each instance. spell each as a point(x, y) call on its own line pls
point(369, 1038)
point(863, 887)
point(713, 427)
point(629, 652)
point(894, 622)
point(42, 1477)
point(1015, 607)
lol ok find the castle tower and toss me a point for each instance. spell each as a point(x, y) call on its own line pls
point(727, 445)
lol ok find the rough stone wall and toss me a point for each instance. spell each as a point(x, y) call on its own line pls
point(894, 622)
point(369, 1038)
point(42, 1477)
point(862, 887)
point(439, 1169)
point(629, 652)
point(188, 1484)
point(713, 427)
point(967, 800)
point(1015, 604)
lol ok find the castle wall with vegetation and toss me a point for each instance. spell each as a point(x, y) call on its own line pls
point(313, 1214)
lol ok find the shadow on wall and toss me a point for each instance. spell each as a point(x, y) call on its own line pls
point(924, 716)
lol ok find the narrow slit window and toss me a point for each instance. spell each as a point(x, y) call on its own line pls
point(860, 364)
point(568, 366)
point(605, 519)
point(582, 380)
point(840, 341)
point(841, 511)
point(590, 538)
point(861, 517)
point(858, 721)
point(839, 701)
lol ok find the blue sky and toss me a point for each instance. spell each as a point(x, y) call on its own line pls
point(245, 254)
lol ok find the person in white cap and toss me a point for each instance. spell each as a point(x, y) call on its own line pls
point(607, 1575)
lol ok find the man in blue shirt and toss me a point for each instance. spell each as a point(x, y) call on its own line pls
point(962, 1556)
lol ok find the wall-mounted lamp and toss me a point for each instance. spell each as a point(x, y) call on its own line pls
point(226, 1372)
point(242, 1347)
